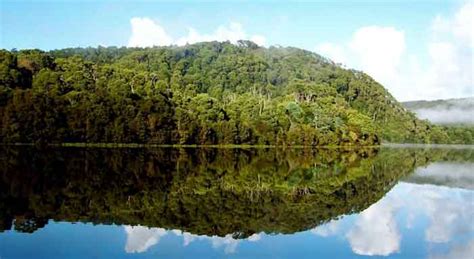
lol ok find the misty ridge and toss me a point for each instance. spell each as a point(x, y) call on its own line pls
point(449, 111)
point(458, 175)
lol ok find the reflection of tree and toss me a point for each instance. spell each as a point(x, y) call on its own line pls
point(29, 225)
point(202, 191)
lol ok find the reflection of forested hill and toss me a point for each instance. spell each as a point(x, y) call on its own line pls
point(458, 175)
point(210, 191)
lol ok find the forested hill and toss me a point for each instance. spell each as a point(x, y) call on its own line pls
point(205, 93)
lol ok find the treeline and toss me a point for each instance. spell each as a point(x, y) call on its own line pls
point(205, 93)
point(460, 134)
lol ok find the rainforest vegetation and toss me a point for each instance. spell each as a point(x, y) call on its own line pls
point(206, 93)
point(455, 116)
point(202, 191)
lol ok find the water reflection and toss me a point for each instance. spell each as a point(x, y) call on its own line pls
point(446, 213)
point(230, 198)
point(450, 174)
point(140, 239)
point(205, 192)
point(457, 251)
point(375, 232)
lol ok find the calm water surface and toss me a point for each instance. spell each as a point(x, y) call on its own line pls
point(403, 202)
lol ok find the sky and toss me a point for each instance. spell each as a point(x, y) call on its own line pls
point(416, 49)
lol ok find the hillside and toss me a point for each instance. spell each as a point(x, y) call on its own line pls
point(449, 111)
point(205, 93)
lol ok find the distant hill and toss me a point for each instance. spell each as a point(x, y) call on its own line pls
point(209, 93)
point(449, 111)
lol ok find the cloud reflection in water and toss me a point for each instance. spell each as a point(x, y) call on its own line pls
point(448, 213)
point(140, 239)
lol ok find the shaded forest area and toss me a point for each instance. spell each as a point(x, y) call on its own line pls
point(206, 93)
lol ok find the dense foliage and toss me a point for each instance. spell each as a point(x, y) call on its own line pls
point(202, 191)
point(455, 116)
point(206, 93)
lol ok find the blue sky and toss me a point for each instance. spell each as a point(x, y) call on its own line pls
point(75, 23)
point(355, 33)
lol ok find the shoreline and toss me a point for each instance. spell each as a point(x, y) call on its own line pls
point(240, 146)
point(138, 145)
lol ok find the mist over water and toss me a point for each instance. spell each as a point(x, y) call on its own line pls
point(450, 111)
point(446, 116)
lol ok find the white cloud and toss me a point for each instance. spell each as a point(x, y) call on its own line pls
point(333, 51)
point(259, 40)
point(188, 238)
point(461, 25)
point(373, 49)
point(329, 229)
point(140, 239)
point(229, 243)
point(375, 231)
point(232, 33)
point(147, 33)
point(448, 214)
point(444, 213)
point(450, 73)
point(447, 72)
point(254, 238)
point(458, 175)
point(378, 51)
point(448, 211)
